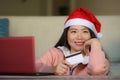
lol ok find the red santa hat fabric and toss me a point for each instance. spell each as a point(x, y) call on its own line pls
point(82, 16)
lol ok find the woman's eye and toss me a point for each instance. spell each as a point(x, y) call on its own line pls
point(86, 31)
point(73, 31)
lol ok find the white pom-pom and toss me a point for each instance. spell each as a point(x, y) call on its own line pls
point(99, 35)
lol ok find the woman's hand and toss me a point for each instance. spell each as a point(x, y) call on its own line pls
point(88, 44)
point(62, 68)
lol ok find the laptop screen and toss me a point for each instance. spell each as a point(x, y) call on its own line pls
point(17, 55)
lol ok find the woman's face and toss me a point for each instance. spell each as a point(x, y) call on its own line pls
point(77, 35)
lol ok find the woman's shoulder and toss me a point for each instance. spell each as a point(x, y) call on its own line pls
point(54, 51)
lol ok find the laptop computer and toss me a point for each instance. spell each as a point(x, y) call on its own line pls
point(17, 55)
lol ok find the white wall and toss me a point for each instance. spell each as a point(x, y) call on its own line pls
point(47, 31)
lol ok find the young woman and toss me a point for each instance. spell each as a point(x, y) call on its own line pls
point(81, 34)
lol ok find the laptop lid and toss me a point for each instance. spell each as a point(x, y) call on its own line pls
point(17, 55)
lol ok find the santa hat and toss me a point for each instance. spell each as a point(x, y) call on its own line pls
point(82, 16)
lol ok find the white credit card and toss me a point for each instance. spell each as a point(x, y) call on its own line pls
point(77, 58)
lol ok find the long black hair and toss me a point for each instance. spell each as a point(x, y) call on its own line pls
point(63, 39)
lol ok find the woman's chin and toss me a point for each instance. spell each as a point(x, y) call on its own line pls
point(79, 49)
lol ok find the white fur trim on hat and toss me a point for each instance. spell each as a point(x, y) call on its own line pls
point(99, 35)
point(79, 21)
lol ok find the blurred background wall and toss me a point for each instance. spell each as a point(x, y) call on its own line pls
point(56, 7)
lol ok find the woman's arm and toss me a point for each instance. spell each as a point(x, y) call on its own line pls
point(52, 62)
point(44, 63)
point(98, 64)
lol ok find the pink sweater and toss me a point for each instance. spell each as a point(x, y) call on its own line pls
point(97, 65)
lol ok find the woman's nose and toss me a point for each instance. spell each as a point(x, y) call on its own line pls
point(79, 36)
